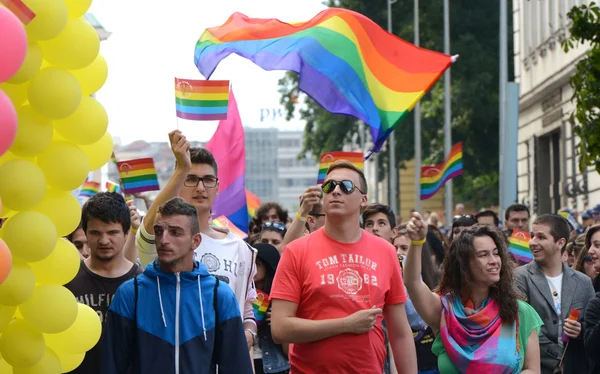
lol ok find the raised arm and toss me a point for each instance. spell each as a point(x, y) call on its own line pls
point(309, 199)
point(427, 303)
point(129, 249)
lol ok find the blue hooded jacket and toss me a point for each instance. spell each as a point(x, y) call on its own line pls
point(171, 329)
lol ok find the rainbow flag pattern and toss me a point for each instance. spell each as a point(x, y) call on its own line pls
point(260, 306)
point(435, 177)
point(328, 158)
point(138, 175)
point(19, 9)
point(201, 100)
point(346, 62)
point(89, 188)
point(253, 203)
point(222, 221)
point(112, 187)
point(519, 246)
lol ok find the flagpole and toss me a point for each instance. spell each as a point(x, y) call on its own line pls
point(418, 156)
point(393, 172)
point(502, 103)
point(447, 116)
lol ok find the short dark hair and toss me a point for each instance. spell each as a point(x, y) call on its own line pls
point(264, 208)
point(345, 164)
point(109, 207)
point(559, 227)
point(178, 207)
point(203, 156)
point(488, 213)
point(516, 208)
point(379, 208)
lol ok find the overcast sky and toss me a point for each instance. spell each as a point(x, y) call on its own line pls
point(151, 44)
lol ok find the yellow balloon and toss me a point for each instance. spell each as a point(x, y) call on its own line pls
point(8, 156)
point(21, 345)
point(19, 285)
point(81, 336)
point(31, 236)
point(50, 18)
point(5, 367)
point(50, 309)
point(17, 93)
point(34, 133)
point(62, 208)
point(76, 47)
point(6, 315)
point(60, 267)
point(54, 93)
point(93, 76)
point(99, 153)
point(85, 126)
point(69, 362)
point(77, 8)
point(22, 184)
point(65, 165)
point(31, 65)
point(49, 364)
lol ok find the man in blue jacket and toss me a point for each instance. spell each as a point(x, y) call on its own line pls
point(175, 317)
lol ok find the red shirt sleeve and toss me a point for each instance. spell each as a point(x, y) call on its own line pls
point(287, 284)
point(397, 293)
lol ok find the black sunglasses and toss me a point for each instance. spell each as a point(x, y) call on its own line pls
point(274, 224)
point(346, 186)
point(467, 216)
point(317, 214)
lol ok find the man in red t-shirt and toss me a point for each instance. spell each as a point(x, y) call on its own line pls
point(332, 286)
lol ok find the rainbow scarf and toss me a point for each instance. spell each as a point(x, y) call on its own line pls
point(476, 340)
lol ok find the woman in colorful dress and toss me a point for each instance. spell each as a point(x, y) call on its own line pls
point(480, 325)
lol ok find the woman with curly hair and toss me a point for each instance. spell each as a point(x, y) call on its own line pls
point(480, 324)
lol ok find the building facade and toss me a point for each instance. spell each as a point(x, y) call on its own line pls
point(548, 174)
point(262, 163)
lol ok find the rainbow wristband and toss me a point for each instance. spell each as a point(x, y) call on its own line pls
point(418, 242)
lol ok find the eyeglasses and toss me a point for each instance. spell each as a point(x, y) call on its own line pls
point(317, 214)
point(346, 186)
point(208, 181)
point(274, 224)
point(588, 259)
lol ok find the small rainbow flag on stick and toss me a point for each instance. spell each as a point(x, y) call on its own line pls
point(138, 175)
point(519, 246)
point(89, 188)
point(222, 221)
point(19, 9)
point(435, 177)
point(201, 100)
point(328, 158)
point(112, 187)
point(260, 306)
point(253, 203)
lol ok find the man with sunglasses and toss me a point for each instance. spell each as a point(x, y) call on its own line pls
point(226, 256)
point(332, 286)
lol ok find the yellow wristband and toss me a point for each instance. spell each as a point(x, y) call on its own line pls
point(133, 230)
point(418, 242)
point(300, 218)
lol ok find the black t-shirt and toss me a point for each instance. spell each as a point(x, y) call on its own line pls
point(424, 338)
point(96, 292)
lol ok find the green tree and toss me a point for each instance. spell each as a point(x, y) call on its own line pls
point(474, 93)
point(585, 28)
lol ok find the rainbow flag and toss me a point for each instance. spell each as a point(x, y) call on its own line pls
point(200, 100)
point(138, 175)
point(260, 306)
point(328, 158)
point(435, 177)
point(222, 221)
point(89, 188)
point(519, 246)
point(253, 203)
point(347, 63)
point(19, 9)
point(112, 187)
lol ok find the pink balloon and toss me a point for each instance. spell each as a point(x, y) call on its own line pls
point(13, 44)
point(8, 122)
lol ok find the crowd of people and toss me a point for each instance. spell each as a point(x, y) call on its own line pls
point(341, 286)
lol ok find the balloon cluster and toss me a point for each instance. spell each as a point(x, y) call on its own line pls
point(52, 133)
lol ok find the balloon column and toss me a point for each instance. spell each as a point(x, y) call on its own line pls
point(52, 133)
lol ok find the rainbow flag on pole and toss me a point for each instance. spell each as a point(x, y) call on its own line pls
point(201, 100)
point(19, 9)
point(519, 247)
point(260, 306)
point(89, 188)
point(435, 177)
point(328, 158)
point(138, 175)
point(253, 203)
point(112, 187)
point(222, 221)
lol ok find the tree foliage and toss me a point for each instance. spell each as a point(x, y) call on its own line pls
point(585, 28)
point(474, 93)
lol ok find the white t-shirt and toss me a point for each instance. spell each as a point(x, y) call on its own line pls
point(555, 284)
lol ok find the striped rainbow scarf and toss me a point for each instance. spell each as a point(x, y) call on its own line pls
point(476, 340)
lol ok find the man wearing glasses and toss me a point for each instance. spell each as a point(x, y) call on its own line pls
point(334, 286)
point(226, 256)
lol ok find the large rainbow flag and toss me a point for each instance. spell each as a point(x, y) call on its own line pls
point(328, 158)
point(200, 100)
point(347, 63)
point(435, 177)
point(253, 203)
point(222, 221)
point(519, 246)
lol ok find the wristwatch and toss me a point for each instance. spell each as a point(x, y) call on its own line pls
point(253, 336)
